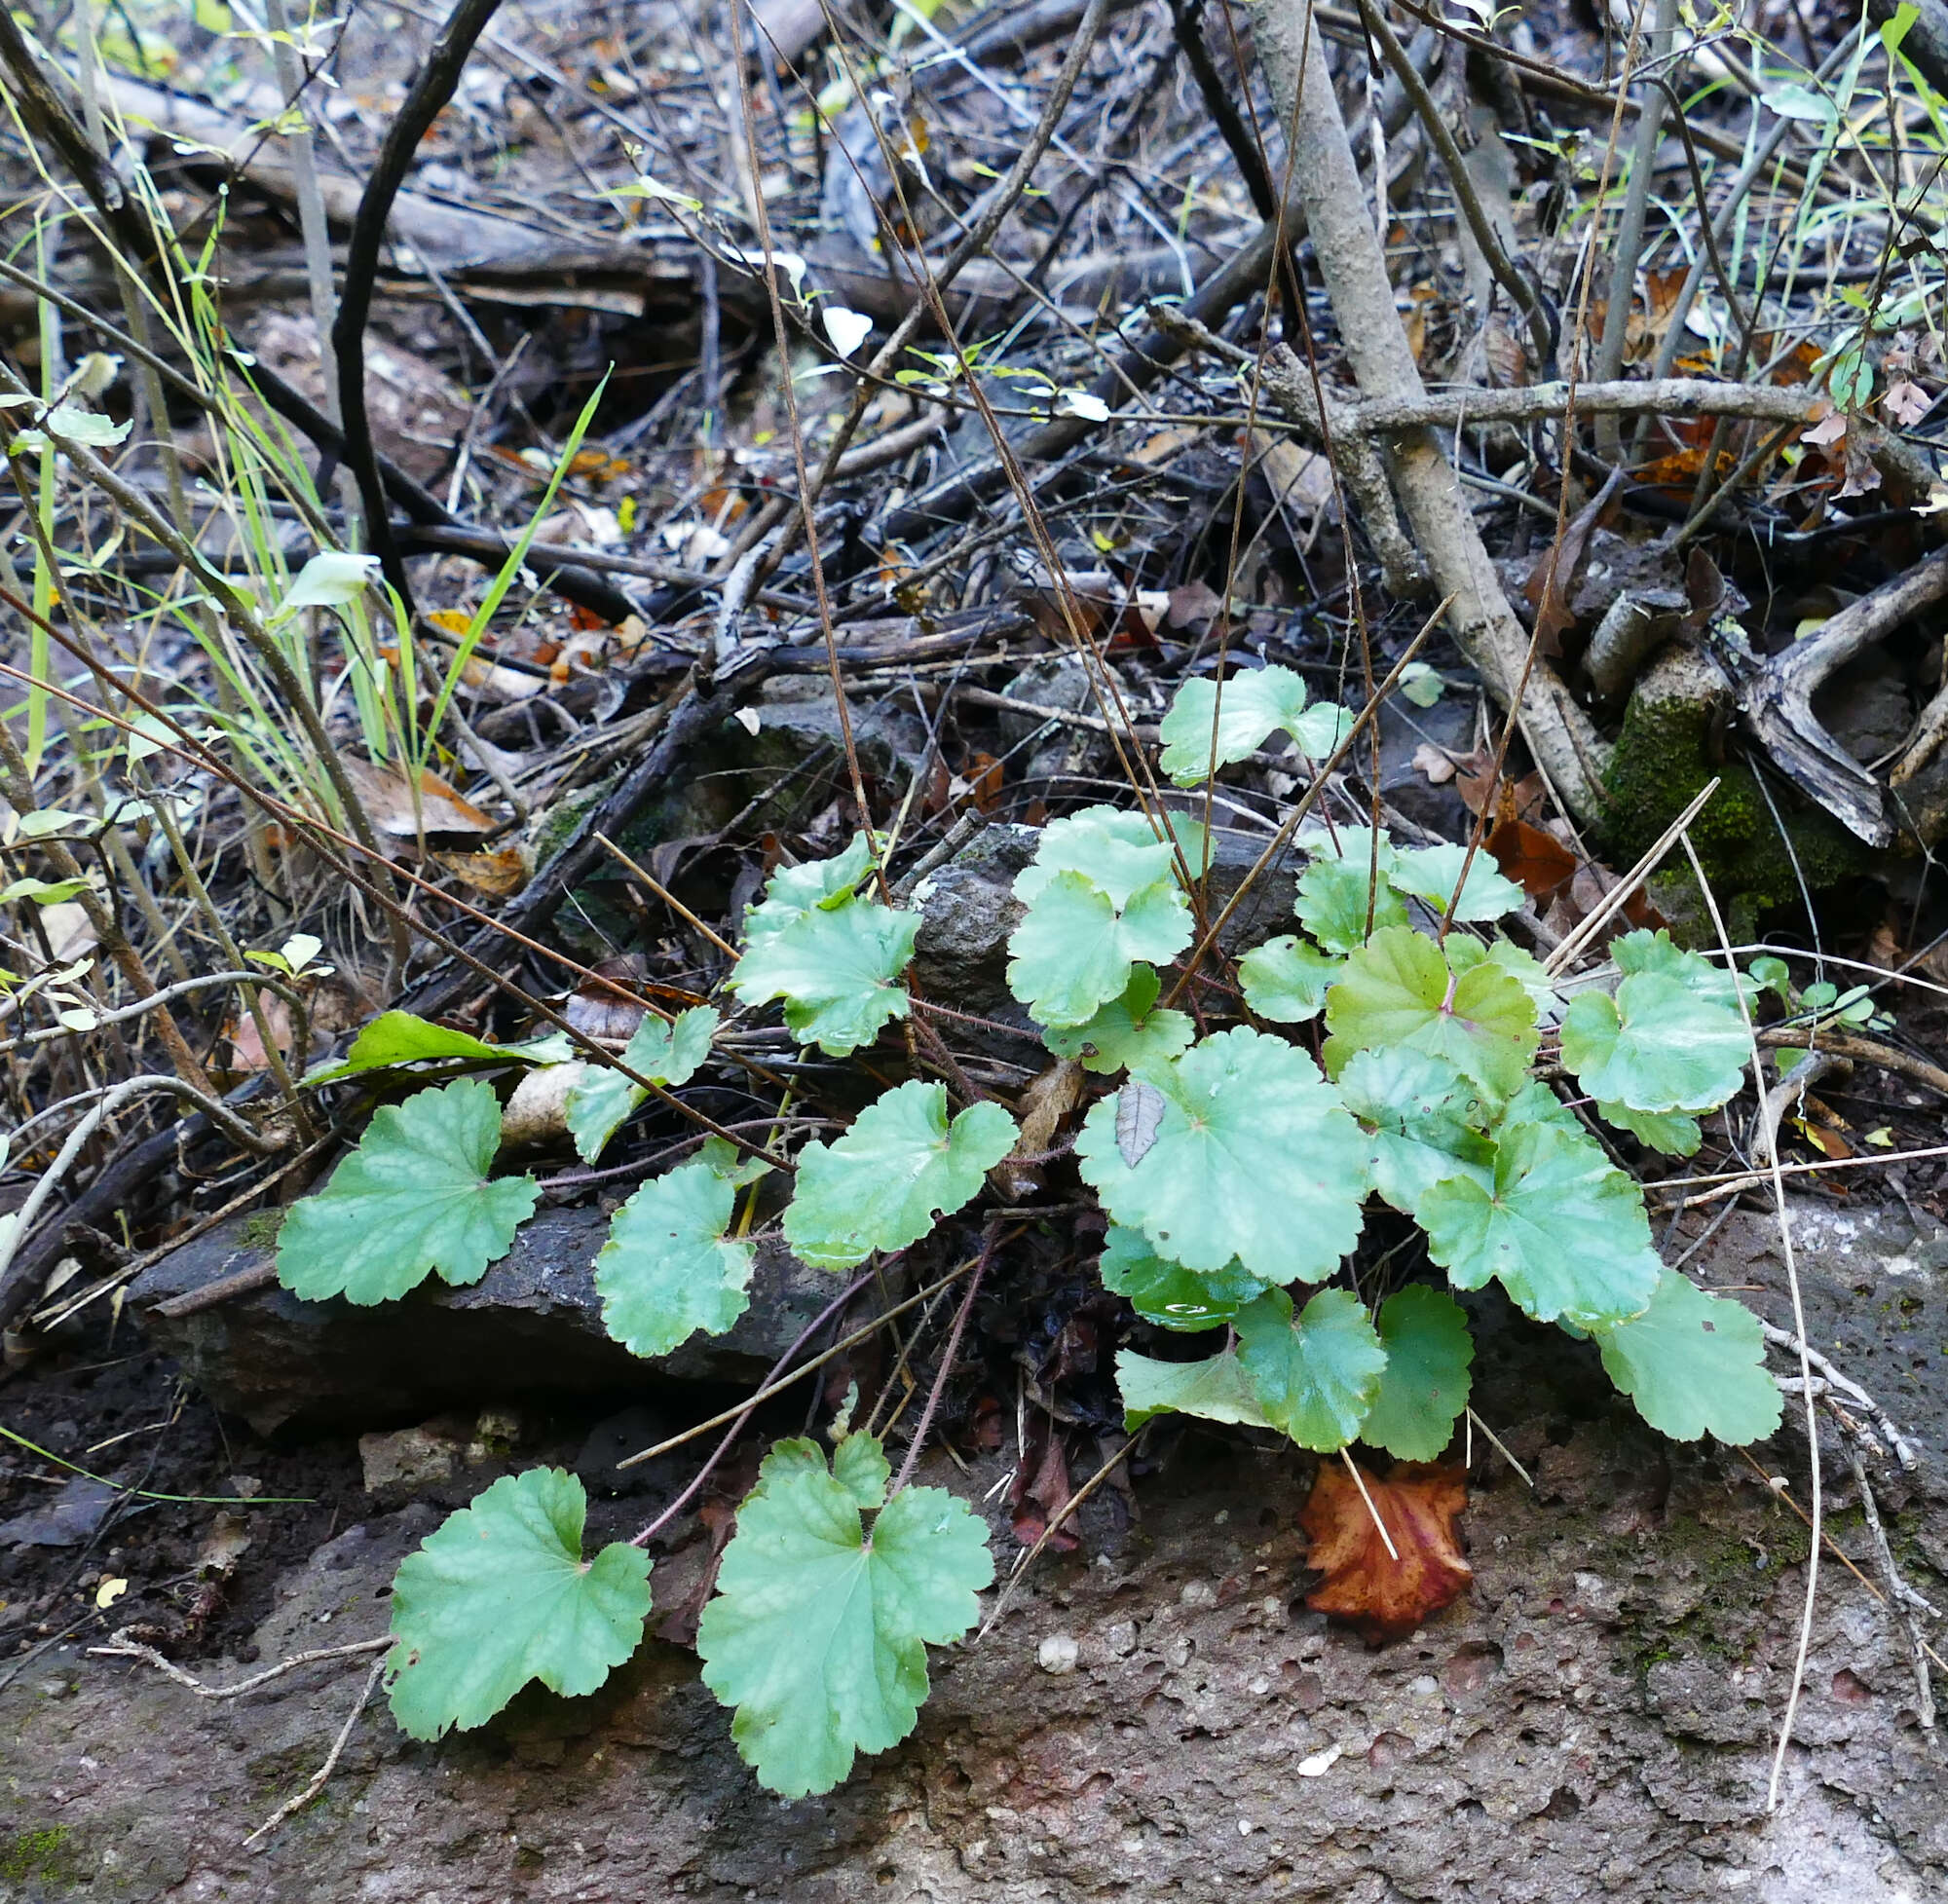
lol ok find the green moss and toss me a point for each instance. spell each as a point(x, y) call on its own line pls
point(552, 831)
point(1667, 753)
point(260, 1231)
point(44, 1855)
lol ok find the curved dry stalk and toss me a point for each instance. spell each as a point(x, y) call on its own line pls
point(1778, 1182)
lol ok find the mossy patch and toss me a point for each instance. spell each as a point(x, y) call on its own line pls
point(44, 1855)
point(260, 1231)
point(1667, 751)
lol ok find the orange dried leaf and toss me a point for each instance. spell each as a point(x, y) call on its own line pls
point(390, 804)
point(1386, 1596)
point(1536, 861)
point(500, 873)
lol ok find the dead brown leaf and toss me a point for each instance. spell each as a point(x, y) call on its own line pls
point(388, 800)
point(1553, 582)
point(1041, 1489)
point(500, 873)
point(1386, 1597)
point(1536, 861)
point(1436, 766)
point(1042, 1105)
point(246, 1043)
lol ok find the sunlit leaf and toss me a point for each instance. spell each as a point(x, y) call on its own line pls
point(1117, 852)
point(1341, 889)
point(818, 1636)
point(1425, 1120)
point(1431, 874)
point(400, 1038)
point(1256, 703)
point(1671, 1132)
point(1286, 979)
point(836, 967)
point(893, 1175)
point(1254, 1157)
point(1562, 1229)
point(1398, 990)
point(331, 579)
point(796, 889)
point(1672, 1039)
point(1315, 1374)
point(1216, 1389)
point(670, 1052)
point(1127, 1032)
point(1694, 1364)
point(1528, 971)
point(414, 1197)
point(1074, 951)
point(668, 1269)
point(499, 1594)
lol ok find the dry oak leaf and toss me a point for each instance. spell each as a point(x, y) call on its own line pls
point(1383, 1597)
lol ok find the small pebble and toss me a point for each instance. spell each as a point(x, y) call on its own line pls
point(1058, 1654)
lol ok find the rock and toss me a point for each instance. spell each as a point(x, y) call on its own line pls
point(1613, 564)
point(1057, 681)
point(65, 1518)
point(1539, 1740)
point(531, 1327)
point(781, 777)
point(1866, 706)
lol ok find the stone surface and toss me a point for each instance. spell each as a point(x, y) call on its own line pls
point(1593, 1719)
point(531, 1327)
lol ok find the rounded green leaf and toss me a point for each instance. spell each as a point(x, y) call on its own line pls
point(1216, 1389)
point(836, 967)
point(1286, 980)
point(1126, 1032)
point(1118, 854)
point(1316, 1375)
point(1075, 949)
point(1348, 877)
point(1694, 1364)
point(794, 890)
point(1398, 990)
point(1425, 1122)
point(1167, 1293)
point(1431, 874)
point(668, 1269)
point(670, 1053)
point(1659, 1045)
point(499, 1594)
point(1425, 1386)
point(1563, 1230)
point(893, 1175)
point(817, 1637)
point(1465, 954)
point(1252, 1157)
point(1670, 1131)
point(413, 1198)
point(1256, 703)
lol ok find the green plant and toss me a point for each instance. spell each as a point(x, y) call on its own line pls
point(1239, 1171)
